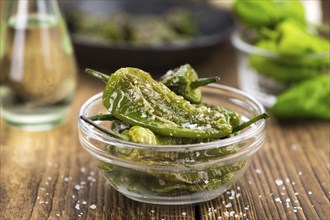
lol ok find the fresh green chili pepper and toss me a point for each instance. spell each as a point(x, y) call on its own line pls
point(296, 60)
point(295, 40)
point(268, 13)
point(308, 99)
point(184, 81)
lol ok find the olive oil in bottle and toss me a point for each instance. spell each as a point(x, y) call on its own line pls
point(38, 74)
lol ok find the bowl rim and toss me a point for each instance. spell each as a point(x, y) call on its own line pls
point(258, 108)
point(239, 43)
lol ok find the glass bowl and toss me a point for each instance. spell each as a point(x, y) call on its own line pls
point(176, 174)
point(265, 74)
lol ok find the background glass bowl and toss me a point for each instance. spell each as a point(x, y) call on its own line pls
point(258, 80)
point(176, 174)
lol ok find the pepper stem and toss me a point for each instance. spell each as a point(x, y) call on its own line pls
point(249, 122)
point(104, 130)
point(204, 81)
point(101, 117)
point(98, 75)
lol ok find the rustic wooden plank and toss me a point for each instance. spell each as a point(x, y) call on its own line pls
point(286, 180)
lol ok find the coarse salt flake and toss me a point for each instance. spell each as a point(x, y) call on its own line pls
point(184, 213)
point(228, 205)
point(77, 187)
point(310, 193)
point(258, 171)
point(278, 200)
point(93, 206)
point(77, 206)
point(279, 182)
point(161, 182)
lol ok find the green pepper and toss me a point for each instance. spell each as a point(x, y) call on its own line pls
point(308, 99)
point(296, 60)
point(295, 40)
point(132, 96)
point(184, 81)
point(268, 12)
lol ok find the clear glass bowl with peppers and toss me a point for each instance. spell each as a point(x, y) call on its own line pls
point(173, 141)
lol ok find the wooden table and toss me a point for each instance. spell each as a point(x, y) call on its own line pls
point(48, 175)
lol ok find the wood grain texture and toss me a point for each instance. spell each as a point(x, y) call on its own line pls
point(47, 175)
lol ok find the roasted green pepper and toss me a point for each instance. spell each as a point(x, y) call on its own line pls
point(184, 81)
point(132, 96)
point(309, 99)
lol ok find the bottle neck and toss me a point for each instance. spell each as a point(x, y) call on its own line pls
point(23, 13)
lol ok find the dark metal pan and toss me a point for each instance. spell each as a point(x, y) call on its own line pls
point(214, 26)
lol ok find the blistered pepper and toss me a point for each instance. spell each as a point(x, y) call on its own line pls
point(308, 99)
point(184, 81)
point(134, 97)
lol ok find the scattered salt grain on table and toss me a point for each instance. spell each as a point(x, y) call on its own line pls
point(228, 205)
point(258, 171)
point(92, 206)
point(279, 182)
point(77, 187)
point(278, 200)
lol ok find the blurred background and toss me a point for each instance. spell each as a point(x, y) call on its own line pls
point(155, 35)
